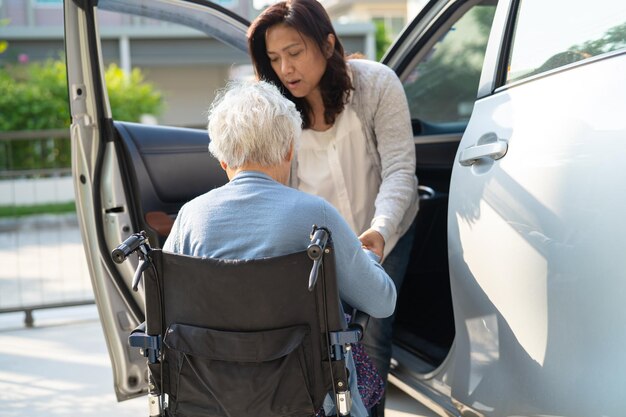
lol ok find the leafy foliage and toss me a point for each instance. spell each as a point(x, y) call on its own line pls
point(442, 88)
point(382, 39)
point(35, 97)
point(130, 95)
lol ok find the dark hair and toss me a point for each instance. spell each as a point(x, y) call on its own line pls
point(310, 19)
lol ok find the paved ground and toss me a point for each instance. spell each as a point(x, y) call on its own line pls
point(60, 368)
point(42, 261)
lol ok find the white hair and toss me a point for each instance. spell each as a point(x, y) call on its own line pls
point(252, 122)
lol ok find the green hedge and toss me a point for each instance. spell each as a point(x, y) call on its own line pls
point(34, 97)
point(52, 208)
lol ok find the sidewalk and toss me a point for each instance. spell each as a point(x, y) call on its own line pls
point(42, 261)
point(58, 368)
point(61, 368)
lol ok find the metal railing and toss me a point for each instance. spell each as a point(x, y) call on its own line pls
point(7, 163)
point(42, 259)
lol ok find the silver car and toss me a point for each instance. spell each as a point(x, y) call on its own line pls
point(513, 304)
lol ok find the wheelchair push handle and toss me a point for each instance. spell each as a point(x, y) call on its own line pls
point(319, 239)
point(315, 250)
point(130, 245)
point(135, 242)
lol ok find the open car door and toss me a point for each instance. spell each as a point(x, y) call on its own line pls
point(128, 176)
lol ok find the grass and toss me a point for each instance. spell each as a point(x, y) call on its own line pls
point(21, 211)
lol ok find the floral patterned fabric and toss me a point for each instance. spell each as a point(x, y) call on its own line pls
point(371, 385)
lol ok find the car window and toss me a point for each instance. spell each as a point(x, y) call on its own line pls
point(185, 68)
point(582, 30)
point(442, 87)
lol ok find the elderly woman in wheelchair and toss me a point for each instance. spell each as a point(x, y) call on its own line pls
point(244, 325)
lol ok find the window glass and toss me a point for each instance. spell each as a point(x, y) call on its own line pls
point(551, 34)
point(397, 24)
point(228, 4)
point(164, 80)
point(442, 87)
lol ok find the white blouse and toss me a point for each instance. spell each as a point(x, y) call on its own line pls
point(334, 165)
point(365, 166)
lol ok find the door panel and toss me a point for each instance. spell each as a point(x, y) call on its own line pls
point(167, 167)
point(528, 247)
point(536, 251)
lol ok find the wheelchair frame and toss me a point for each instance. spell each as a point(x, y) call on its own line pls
point(150, 342)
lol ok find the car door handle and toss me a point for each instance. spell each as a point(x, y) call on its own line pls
point(488, 146)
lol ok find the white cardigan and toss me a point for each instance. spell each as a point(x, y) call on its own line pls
point(380, 103)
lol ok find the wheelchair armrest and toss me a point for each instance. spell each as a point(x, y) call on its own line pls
point(160, 222)
point(358, 321)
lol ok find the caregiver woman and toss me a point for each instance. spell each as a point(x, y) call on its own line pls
point(357, 148)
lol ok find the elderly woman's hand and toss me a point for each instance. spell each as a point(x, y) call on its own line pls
point(374, 241)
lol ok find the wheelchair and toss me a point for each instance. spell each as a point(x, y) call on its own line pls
point(243, 338)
